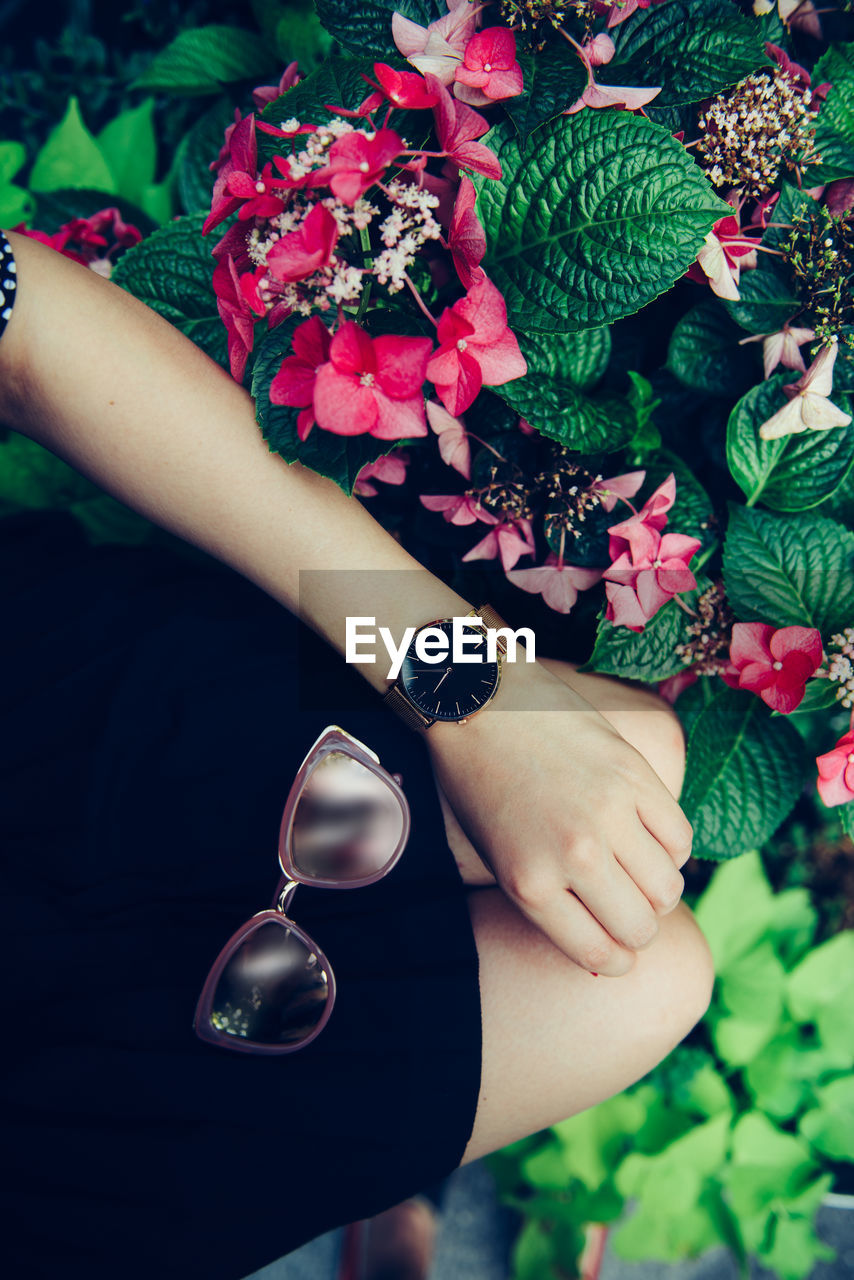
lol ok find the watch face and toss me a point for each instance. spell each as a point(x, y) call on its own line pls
point(446, 690)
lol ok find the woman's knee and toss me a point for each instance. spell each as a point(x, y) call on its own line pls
point(678, 973)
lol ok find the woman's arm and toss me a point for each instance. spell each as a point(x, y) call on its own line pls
point(555, 803)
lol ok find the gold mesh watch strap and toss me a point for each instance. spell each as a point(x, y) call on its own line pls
point(491, 622)
point(397, 700)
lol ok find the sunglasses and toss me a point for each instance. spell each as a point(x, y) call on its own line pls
point(345, 824)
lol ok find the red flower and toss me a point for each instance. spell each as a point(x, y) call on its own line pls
point(475, 348)
point(652, 516)
point(509, 541)
point(239, 185)
point(401, 88)
point(270, 92)
point(372, 385)
point(489, 67)
point(458, 508)
point(294, 383)
point(357, 161)
point(558, 583)
point(466, 237)
point(836, 772)
point(238, 303)
point(457, 127)
point(390, 468)
point(303, 251)
point(776, 664)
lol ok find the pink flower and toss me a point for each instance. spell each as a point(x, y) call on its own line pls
point(776, 664)
point(222, 157)
point(809, 407)
point(836, 772)
point(475, 348)
point(625, 8)
point(597, 52)
point(299, 253)
point(294, 383)
point(457, 127)
point(92, 241)
point(671, 688)
point(357, 161)
point(239, 186)
point(372, 385)
point(391, 469)
point(489, 70)
point(725, 251)
point(458, 508)
point(652, 516)
point(270, 92)
point(558, 583)
point(454, 447)
point(509, 541)
point(438, 48)
point(238, 303)
point(625, 486)
point(839, 196)
point(467, 238)
point(782, 347)
point(646, 576)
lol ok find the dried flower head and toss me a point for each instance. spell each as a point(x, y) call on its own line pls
point(706, 650)
point(509, 499)
point(569, 494)
point(840, 666)
point(749, 133)
point(532, 19)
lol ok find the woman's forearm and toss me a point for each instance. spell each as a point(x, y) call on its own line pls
point(100, 379)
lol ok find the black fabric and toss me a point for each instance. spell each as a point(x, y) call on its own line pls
point(8, 281)
point(151, 730)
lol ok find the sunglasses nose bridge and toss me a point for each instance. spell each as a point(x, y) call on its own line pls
point(286, 893)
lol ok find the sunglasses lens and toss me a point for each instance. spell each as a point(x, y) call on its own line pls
point(347, 823)
point(273, 988)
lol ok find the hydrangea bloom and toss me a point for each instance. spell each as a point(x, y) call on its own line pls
point(507, 540)
point(372, 385)
point(476, 348)
point(558, 583)
point(809, 407)
point(646, 576)
point(454, 448)
point(438, 48)
point(390, 468)
point(489, 70)
point(836, 772)
point(294, 383)
point(776, 664)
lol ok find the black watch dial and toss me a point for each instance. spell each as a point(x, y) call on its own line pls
point(445, 690)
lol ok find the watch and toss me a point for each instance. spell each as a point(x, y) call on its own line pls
point(425, 692)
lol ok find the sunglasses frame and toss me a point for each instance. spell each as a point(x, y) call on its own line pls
point(331, 739)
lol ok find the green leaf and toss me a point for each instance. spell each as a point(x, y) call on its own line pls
point(780, 1076)
point(596, 215)
point(766, 1163)
point(692, 48)
point(203, 59)
point(834, 132)
point(202, 146)
point(106, 520)
point(33, 477)
point(766, 302)
point(743, 774)
point(795, 570)
point(751, 987)
point(294, 27)
point(598, 423)
point(553, 80)
point(172, 271)
point(578, 358)
point(647, 437)
point(365, 25)
point(795, 1248)
point(647, 655)
point(792, 473)
point(339, 457)
point(594, 1140)
point(821, 990)
point(129, 146)
point(829, 1128)
point(71, 158)
point(735, 909)
point(704, 353)
point(53, 208)
point(15, 202)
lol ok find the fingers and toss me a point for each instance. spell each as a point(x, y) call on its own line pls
point(570, 926)
point(653, 871)
point(666, 822)
point(613, 897)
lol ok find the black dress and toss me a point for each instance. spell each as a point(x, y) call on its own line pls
point(152, 724)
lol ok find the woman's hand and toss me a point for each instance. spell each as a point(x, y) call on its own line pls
point(577, 828)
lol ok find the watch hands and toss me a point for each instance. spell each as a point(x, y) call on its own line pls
point(444, 677)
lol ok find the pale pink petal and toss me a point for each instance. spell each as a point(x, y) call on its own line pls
point(398, 419)
point(454, 447)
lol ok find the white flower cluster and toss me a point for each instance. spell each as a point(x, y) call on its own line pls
point(840, 668)
point(406, 229)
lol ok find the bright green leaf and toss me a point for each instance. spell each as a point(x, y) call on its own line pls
point(735, 909)
point(821, 990)
point(129, 146)
point(829, 1127)
point(71, 158)
point(596, 215)
point(15, 202)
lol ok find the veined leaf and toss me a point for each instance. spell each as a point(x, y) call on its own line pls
point(202, 59)
point(834, 131)
point(364, 26)
point(704, 353)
